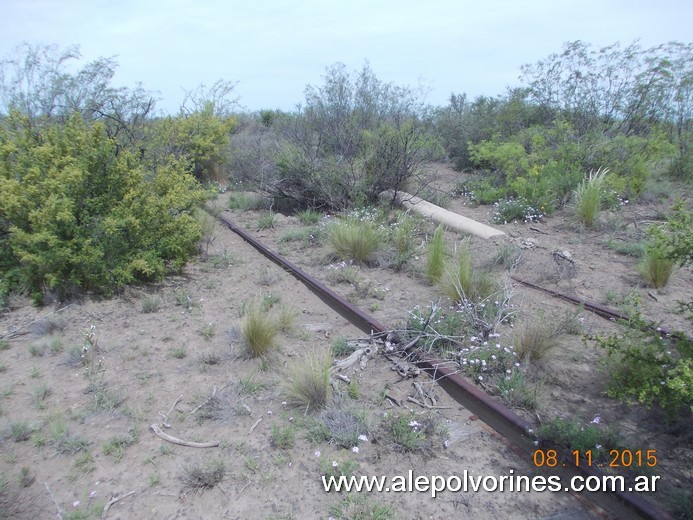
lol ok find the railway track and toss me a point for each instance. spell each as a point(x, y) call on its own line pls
point(619, 504)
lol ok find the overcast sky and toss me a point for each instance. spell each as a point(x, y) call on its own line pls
point(274, 48)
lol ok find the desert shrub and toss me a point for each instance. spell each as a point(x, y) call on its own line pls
point(435, 262)
point(588, 197)
point(77, 212)
point(308, 380)
point(648, 368)
point(259, 332)
point(245, 202)
point(354, 138)
point(340, 426)
point(355, 239)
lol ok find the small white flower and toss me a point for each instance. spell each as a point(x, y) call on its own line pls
point(92, 494)
point(355, 449)
point(481, 378)
point(269, 412)
point(283, 403)
point(335, 463)
point(597, 419)
point(317, 453)
point(598, 446)
point(75, 503)
point(363, 438)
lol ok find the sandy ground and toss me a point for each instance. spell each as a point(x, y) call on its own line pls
point(159, 367)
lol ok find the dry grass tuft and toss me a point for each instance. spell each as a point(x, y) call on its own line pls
point(259, 332)
point(308, 380)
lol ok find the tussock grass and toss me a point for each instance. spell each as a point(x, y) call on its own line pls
point(199, 477)
point(354, 239)
point(259, 331)
point(536, 339)
point(588, 197)
point(309, 217)
point(435, 263)
point(308, 380)
point(456, 283)
point(655, 268)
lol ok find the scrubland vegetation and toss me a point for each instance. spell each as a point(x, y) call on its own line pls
point(100, 192)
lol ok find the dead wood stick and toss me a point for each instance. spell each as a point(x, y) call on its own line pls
point(539, 230)
point(115, 500)
point(343, 378)
point(175, 440)
point(57, 506)
point(15, 333)
point(425, 405)
point(214, 392)
point(255, 425)
point(394, 400)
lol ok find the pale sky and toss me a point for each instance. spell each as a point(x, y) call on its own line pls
point(274, 48)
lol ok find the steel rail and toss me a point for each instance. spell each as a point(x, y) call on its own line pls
point(493, 413)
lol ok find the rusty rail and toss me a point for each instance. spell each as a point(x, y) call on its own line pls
point(495, 414)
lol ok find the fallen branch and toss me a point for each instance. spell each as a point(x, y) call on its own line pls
point(57, 506)
point(175, 440)
point(115, 499)
point(255, 424)
point(424, 405)
point(214, 393)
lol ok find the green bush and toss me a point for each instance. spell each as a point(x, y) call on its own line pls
point(648, 368)
point(78, 212)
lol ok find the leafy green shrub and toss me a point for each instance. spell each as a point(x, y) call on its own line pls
point(77, 212)
point(646, 368)
point(435, 263)
point(588, 197)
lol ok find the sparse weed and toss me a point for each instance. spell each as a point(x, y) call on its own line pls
point(179, 352)
point(115, 446)
point(337, 468)
point(25, 478)
point(308, 380)
point(354, 507)
point(245, 202)
point(150, 303)
point(250, 385)
point(534, 340)
point(516, 392)
point(103, 399)
point(84, 464)
point(267, 221)
point(412, 433)
point(574, 435)
point(340, 426)
point(40, 394)
point(283, 437)
point(62, 441)
point(286, 317)
point(199, 477)
point(209, 358)
point(354, 389)
point(20, 431)
point(341, 347)
point(208, 331)
point(4, 344)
